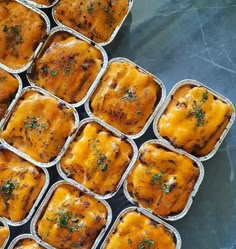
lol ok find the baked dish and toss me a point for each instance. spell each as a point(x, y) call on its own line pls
point(35, 126)
point(4, 234)
point(27, 243)
point(97, 159)
point(162, 180)
point(135, 230)
point(67, 68)
point(125, 97)
point(194, 119)
point(96, 19)
point(72, 219)
point(8, 88)
point(21, 30)
point(20, 184)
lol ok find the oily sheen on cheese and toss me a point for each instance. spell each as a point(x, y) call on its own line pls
point(96, 19)
point(194, 120)
point(72, 219)
point(162, 180)
point(97, 159)
point(8, 88)
point(125, 97)
point(4, 233)
point(21, 30)
point(67, 68)
point(20, 184)
point(27, 244)
point(35, 126)
point(135, 230)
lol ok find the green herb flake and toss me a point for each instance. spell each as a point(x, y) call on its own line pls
point(31, 123)
point(155, 177)
point(104, 167)
point(5, 29)
point(130, 241)
point(53, 72)
point(204, 97)
point(139, 112)
point(43, 125)
point(147, 243)
point(129, 95)
point(198, 114)
point(166, 189)
point(8, 188)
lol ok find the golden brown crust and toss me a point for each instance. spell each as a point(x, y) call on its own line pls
point(97, 159)
point(125, 97)
point(35, 126)
point(72, 219)
point(27, 244)
point(21, 30)
point(67, 68)
point(138, 231)
point(4, 233)
point(194, 120)
point(8, 89)
point(162, 180)
point(20, 185)
point(96, 19)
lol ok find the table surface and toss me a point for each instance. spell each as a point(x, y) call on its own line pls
point(175, 40)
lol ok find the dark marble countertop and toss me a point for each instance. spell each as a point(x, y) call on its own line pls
point(175, 40)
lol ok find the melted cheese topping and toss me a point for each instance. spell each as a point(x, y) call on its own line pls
point(137, 231)
point(125, 97)
point(68, 68)
point(97, 159)
point(96, 19)
point(27, 244)
point(21, 30)
point(162, 180)
point(4, 233)
point(194, 120)
point(35, 126)
point(8, 88)
point(21, 183)
point(72, 219)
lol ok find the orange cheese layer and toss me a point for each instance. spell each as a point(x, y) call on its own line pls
point(20, 185)
point(27, 244)
point(68, 68)
point(8, 88)
point(97, 159)
point(72, 219)
point(162, 180)
point(4, 233)
point(35, 126)
point(138, 231)
point(125, 97)
point(96, 19)
point(21, 30)
point(194, 120)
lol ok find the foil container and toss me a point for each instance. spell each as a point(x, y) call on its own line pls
point(4, 224)
point(42, 6)
point(53, 32)
point(43, 205)
point(70, 137)
point(157, 107)
point(16, 240)
point(130, 2)
point(13, 101)
point(47, 22)
point(191, 196)
point(217, 95)
point(36, 202)
point(155, 219)
point(124, 175)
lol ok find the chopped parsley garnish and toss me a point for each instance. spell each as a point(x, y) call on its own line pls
point(129, 95)
point(13, 34)
point(53, 72)
point(155, 177)
point(130, 241)
point(147, 243)
point(204, 97)
point(139, 112)
point(198, 114)
point(104, 167)
point(166, 188)
point(31, 123)
point(102, 160)
point(8, 188)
